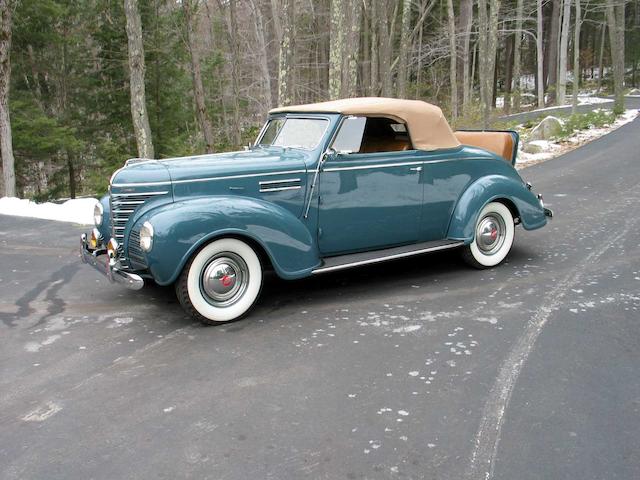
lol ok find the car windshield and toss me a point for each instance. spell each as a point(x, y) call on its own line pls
point(294, 132)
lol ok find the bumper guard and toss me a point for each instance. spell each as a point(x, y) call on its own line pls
point(99, 259)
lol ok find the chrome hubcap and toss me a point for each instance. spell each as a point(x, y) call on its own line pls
point(490, 234)
point(224, 279)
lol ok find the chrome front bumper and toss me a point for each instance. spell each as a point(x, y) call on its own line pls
point(99, 259)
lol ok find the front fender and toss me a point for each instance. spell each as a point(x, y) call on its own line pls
point(488, 189)
point(182, 227)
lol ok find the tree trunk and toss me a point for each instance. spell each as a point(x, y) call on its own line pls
point(375, 46)
point(466, 21)
point(405, 48)
point(6, 144)
point(258, 22)
point(564, 47)
point(487, 45)
point(350, 81)
point(385, 50)
point(453, 63)
point(196, 76)
point(576, 57)
point(276, 11)
point(601, 55)
point(508, 75)
point(366, 48)
point(72, 175)
point(494, 83)
point(419, 59)
point(336, 48)
point(517, 55)
point(234, 43)
point(139, 113)
point(474, 66)
point(615, 19)
point(540, 56)
point(552, 48)
point(37, 89)
point(276, 29)
point(63, 103)
point(286, 58)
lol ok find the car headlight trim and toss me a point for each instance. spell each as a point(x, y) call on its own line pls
point(146, 237)
point(98, 213)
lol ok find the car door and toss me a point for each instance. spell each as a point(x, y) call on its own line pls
point(367, 200)
point(446, 176)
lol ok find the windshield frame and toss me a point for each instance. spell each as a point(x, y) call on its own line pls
point(289, 116)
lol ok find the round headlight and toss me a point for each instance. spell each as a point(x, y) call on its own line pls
point(97, 214)
point(146, 236)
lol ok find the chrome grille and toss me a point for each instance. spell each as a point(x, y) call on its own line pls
point(122, 207)
point(133, 248)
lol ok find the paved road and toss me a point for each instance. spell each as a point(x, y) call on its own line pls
point(415, 369)
point(630, 102)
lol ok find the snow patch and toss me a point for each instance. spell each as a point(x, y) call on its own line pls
point(43, 412)
point(407, 329)
point(79, 210)
point(491, 320)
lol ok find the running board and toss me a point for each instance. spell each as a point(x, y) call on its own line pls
point(340, 262)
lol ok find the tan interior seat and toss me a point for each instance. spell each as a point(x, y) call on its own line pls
point(372, 145)
point(500, 143)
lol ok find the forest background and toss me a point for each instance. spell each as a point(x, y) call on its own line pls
point(86, 84)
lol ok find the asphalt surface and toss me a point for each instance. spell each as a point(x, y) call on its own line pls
point(630, 102)
point(422, 368)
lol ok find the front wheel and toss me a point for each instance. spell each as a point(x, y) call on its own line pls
point(494, 233)
point(221, 282)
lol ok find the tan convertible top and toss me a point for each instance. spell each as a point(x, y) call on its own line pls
point(428, 128)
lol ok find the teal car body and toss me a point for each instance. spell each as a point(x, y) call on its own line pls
point(299, 207)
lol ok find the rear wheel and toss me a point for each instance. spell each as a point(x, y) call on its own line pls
point(493, 238)
point(221, 282)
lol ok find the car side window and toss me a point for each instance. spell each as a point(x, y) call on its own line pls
point(385, 135)
point(371, 135)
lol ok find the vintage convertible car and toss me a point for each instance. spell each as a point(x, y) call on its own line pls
point(326, 186)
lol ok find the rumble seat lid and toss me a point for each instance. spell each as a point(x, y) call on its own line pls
point(428, 128)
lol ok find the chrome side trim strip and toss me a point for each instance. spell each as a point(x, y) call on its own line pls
point(384, 258)
point(249, 175)
point(280, 189)
point(366, 167)
point(267, 182)
point(401, 164)
point(137, 194)
point(146, 184)
point(207, 179)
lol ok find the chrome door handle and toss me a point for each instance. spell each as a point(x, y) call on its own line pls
point(416, 169)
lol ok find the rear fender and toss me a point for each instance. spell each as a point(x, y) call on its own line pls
point(494, 188)
point(181, 228)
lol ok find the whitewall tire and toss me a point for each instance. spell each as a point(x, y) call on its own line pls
point(493, 237)
point(221, 282)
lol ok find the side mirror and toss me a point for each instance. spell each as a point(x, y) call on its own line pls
point(330, 152)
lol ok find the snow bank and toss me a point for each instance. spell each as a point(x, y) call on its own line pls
point(552, 149)
point(589, 100)
point(79, 210)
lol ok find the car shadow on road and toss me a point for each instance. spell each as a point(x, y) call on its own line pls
point(384, 280)
point(388, 279)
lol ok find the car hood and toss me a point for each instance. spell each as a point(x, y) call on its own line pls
point(231, 164)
